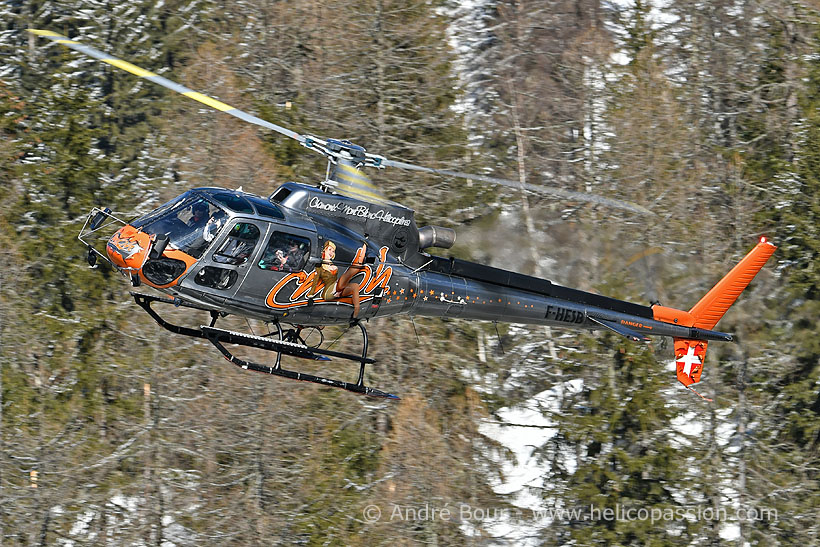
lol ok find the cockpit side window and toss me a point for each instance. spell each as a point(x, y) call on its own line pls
point(203, 222)
point(239, 244)
point(285, 252)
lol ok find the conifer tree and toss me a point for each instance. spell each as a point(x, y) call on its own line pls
point(623, 463)
point(789, 435)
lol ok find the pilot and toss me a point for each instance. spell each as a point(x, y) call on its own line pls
point(336, 287)
point(199, 214)
point(200, 218)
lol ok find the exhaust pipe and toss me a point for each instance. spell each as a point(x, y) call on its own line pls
point(436, 236)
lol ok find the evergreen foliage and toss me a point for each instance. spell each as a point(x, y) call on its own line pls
point(113, 432)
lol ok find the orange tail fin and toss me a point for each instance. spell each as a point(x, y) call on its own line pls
point(707, 312)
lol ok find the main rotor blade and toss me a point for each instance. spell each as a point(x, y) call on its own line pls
point(164, 82)
point(560, 192)
point(322, 146)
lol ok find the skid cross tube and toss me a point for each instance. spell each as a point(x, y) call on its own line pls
point(358, 387)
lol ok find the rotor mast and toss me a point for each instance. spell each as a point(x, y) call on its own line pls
point(344, 173)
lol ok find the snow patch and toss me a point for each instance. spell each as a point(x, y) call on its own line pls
point(522, 431)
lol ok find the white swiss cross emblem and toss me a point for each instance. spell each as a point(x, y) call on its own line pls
point(688, 360)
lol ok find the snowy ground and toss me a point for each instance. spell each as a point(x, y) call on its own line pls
point(523, 429)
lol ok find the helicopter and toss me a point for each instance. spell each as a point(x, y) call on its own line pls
point(341, 253)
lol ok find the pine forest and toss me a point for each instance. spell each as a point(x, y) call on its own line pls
point(114, 431)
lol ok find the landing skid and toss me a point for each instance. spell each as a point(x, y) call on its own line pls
point(219, 337)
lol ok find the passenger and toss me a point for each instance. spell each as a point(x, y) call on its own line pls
point(280, 260)
point(295, 256)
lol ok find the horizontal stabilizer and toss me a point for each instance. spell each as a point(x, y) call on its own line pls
point(620, 329)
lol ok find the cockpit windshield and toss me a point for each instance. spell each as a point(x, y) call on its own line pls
point(190, 224)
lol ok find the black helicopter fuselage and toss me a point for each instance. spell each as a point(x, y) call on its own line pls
point(232, 252)
point(261, 257)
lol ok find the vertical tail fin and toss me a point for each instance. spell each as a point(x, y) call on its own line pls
point(707, 312)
